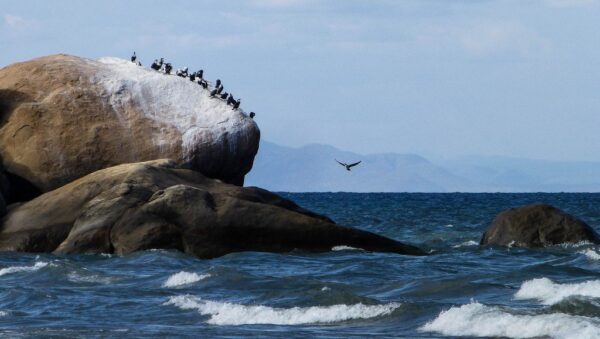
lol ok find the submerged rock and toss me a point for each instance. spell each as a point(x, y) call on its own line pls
point(535, 226)
point(157, 204)
point(62, 117)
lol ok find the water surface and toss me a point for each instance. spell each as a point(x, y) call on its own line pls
point(461, 289)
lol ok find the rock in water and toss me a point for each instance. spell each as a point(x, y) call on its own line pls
point(155, 204)
point(62, 117)
point(535, 226)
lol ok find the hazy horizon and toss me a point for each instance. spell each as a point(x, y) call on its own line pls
point(312, 168)
point(437, 78)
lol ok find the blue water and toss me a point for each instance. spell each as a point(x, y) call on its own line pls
point(460, 289)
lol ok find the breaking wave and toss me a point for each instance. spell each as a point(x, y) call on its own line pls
point(222, 313)
point(550, 293)
point(184, 278)
point(475, 319)
point(591, 254)
point(15, 269)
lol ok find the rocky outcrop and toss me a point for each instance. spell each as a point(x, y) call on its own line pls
point(157, 204)
point(62, 117)
point(535, 226)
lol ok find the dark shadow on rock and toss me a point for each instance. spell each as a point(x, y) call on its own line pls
point(9, 100)
point(19, 189)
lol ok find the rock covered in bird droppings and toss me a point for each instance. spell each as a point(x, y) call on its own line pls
point(64, 117)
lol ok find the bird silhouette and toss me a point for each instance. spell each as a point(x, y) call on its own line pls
point(348, 166)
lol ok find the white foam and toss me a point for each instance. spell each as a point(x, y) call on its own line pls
point(475, 319)
point(94, 279)
point(591, 254)
point(15, 269)
point(345, 248)
point(170, 100)
point(184, 278)
point(549, 293)
point(574, 245)
point(466, 244)
point(3, 313)
point(222, 313)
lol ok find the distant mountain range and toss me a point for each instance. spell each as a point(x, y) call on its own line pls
point(312, 168)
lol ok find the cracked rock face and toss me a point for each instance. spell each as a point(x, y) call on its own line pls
point(62, 117)
point(155, 204)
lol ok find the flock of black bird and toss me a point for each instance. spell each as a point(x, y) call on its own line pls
point(216, 92)
point(196, 77)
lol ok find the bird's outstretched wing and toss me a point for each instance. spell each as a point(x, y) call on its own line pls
point(354, 164)
point(341, 163)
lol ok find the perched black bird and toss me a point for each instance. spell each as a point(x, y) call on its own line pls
point(218, 83)
point(252, 115)
point(168, 68)
point(155, 66)
point(230, 99)
point(224, 95)
point(219, 89)
point(193, 77)
point(200, 74)
point(204, 84)
point(236, 104)
point(182, 72)
point(213, 92)
point(348, 166)
point(133, 57)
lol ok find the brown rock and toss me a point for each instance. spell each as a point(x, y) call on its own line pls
point(535, 226)
point(139, 206)
point(62, 117)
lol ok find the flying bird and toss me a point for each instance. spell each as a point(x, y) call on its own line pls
point(348, 166)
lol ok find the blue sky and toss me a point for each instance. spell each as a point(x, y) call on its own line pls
point(441, 78)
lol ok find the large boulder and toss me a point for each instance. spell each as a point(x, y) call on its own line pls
point(535, 226)
point(156, 204)
point(62, 117)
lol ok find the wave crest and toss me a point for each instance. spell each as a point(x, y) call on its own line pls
point(222, 313)
point(475, 319)
point(184, 278)
point(591, 254)
point(550, 293)
point(15, 269)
